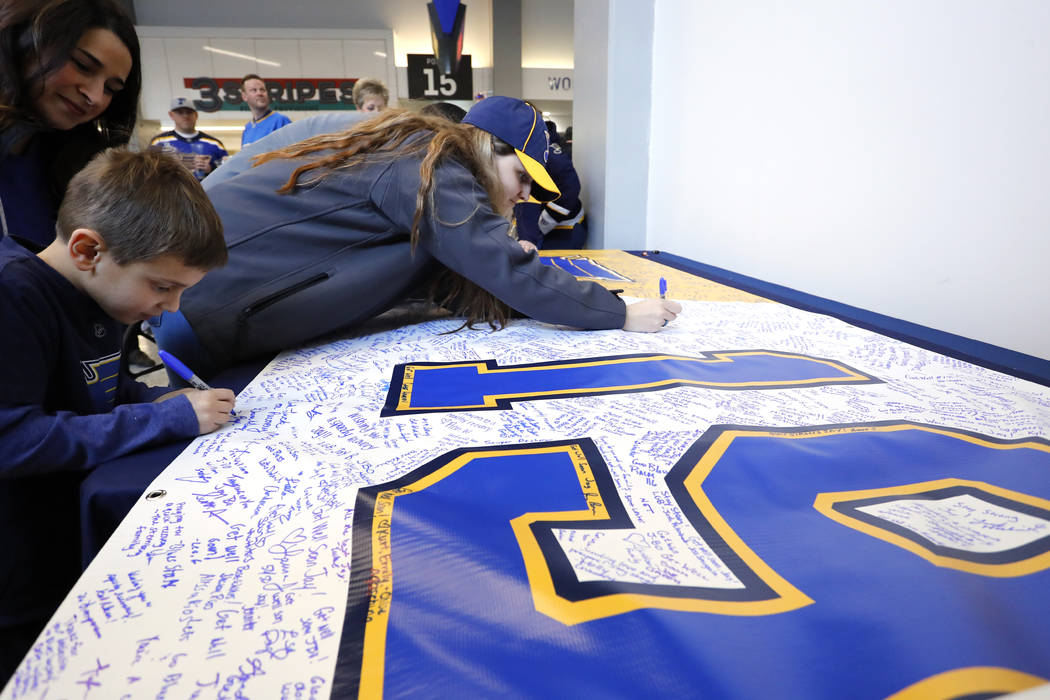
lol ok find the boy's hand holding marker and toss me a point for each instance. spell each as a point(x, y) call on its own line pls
point(651, 315)
point(213, 407)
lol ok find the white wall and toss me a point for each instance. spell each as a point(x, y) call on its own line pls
point(590, 101)
point(546, 33)
point(408, 19)
point(170, 55)
point(611, 112)
point(892, 155)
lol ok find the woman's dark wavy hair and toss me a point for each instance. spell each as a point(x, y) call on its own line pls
point(37, 38)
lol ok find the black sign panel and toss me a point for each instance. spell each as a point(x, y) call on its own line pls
point(425, 80)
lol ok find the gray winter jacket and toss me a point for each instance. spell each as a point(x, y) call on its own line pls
point(336, 253)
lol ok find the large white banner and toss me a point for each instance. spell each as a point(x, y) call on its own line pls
point(756, 501)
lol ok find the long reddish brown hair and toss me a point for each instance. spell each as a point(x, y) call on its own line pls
point(389, 135)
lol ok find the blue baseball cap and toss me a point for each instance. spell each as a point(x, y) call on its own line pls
point(521, 126)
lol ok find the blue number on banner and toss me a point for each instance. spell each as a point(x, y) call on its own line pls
point(587, 268)
point(421, 387)
point(463, 551)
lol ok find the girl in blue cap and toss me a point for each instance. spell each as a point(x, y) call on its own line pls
point(331, 231)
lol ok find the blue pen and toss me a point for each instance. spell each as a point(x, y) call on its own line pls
point(182, 370)
point(663, 288)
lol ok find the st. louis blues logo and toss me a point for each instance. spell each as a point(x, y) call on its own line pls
point(100, 375)
point(100, 368)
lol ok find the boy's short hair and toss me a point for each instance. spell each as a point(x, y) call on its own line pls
point(144, 205)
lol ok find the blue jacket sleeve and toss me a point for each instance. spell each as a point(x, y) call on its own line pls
point(561, 170)
point(48, 421)
point(33, 442)
point(527, 217)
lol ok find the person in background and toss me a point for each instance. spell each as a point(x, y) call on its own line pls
point(552, 129)
point(446, 110)
point(70, 78)
point(556, 223)
point(264, 120)
point(307, 127)
point(201, 153)
point(134, 231)
point(370, 95)
point(300, 129)
point(332, 231)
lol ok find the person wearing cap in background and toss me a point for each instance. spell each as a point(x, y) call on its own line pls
point(329, 232)
point(554, 223)
point(201, 153)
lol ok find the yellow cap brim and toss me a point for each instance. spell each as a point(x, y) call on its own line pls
point(540, 178)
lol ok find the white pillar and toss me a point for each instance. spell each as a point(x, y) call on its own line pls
point(612, 79)
point(506, 47)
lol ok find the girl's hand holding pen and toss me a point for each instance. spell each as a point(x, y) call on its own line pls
point(650, 315)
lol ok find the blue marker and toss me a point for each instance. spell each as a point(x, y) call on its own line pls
point(663, 292)
point(182, 370)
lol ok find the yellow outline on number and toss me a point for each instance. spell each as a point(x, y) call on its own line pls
point(968, 681)
point(541, 583)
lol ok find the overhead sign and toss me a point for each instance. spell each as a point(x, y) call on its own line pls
point(447, 20)
point(293, 94)
point(427, 82)
point(546, 83)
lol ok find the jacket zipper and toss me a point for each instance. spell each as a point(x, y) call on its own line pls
point(251, 310)
point(248, 311)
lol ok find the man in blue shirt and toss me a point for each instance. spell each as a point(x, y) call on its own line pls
point(264, 120)
point(199, 152)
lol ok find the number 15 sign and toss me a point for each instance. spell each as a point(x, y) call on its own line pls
point(425, 80)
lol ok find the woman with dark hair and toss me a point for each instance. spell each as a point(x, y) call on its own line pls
point(70, 79)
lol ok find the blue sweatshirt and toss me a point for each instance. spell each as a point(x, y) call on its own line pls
point(65, 407)
point(255, 130)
